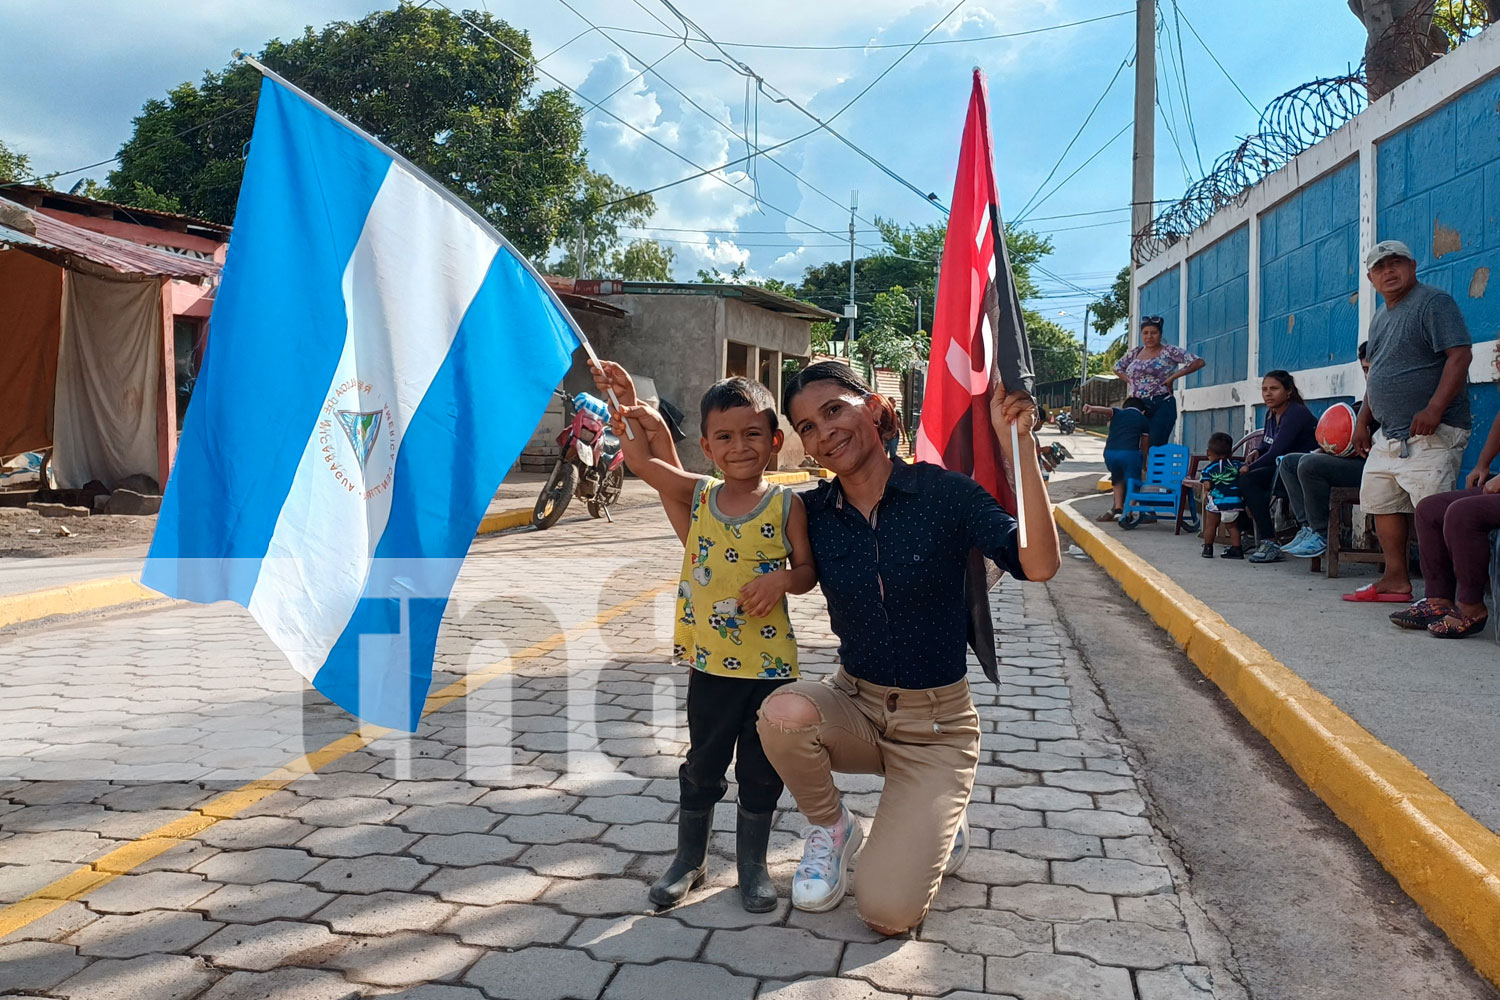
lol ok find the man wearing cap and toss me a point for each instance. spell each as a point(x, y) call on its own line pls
point(1419, 370)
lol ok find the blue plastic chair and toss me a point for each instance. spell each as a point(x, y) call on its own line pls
point(1159, 495)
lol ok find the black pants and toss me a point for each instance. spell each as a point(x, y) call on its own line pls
point(1256, 486)
point(721, 725)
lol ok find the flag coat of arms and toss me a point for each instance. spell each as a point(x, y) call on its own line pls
point(978, 343)
point(379, 356)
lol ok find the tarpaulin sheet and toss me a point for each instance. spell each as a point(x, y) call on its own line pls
point(30, 312)
point(108, 368)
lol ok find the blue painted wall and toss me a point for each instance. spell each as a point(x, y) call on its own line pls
point(1162, 297)
point(1438, 190)
point(1309, 275)
point(1484, 401)
point(1219, 309)
point(1198, 425)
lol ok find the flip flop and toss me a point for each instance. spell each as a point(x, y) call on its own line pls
point(1419, 615)
point(1369, 595)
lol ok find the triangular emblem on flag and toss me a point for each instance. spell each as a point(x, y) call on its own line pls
point(361, 429)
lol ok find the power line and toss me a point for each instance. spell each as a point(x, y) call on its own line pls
point(1215, 58)
point(892, 45)
point(1168, 114)
point(1187, 103)
point(1060, 184)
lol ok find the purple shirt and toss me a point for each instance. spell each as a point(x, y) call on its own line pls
point(1147, 377)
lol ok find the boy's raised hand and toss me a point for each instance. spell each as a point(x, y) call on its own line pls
point(638, 450)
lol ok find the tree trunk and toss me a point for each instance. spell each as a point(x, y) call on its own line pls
point(1401, 41)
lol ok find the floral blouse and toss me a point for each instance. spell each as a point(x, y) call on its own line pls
point(1148, 377)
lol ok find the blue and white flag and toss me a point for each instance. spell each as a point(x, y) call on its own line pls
point(378, 357)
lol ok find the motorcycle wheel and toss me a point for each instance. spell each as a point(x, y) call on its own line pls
point(609, 492)
point(555, 495)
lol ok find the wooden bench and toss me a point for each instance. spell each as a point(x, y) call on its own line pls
point(1339, 498)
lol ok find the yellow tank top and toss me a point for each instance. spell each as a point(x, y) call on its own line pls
point(713, 633)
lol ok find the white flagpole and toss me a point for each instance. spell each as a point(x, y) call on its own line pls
point(1015, 452)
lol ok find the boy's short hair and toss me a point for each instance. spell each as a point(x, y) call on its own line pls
point(1220, 443)
point(1135, 403)
point(726, 394)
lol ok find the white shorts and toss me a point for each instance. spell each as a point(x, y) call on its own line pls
point(1395, 485)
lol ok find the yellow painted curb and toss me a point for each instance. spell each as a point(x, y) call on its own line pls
point(787, 478)
point(1105, 484)
point(88, 596)
point(1445, 859)
point(503, 520)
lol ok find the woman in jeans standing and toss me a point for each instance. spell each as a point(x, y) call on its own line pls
point(891, 542)
point(1149, 371)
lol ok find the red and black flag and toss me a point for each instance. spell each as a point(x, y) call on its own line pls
point(978, 342)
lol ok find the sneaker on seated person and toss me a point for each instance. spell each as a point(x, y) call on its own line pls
point(1307, 546)
point(1266, 552)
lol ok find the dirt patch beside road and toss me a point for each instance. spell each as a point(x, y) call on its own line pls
point(28, 534)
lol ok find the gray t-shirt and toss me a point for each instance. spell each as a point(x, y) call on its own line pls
point(1407, 355)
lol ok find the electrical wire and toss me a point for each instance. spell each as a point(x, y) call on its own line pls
point(1059, 185)
point(1187, 102)
point(1215, 58)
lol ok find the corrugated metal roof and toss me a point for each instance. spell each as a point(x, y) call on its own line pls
point(66, 240)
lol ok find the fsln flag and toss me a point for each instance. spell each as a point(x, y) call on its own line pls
point(379, 356)
point(978, 335)
point(978, 342)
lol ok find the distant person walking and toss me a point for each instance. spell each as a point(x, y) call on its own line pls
point(1149, 371)
point(1419, 368)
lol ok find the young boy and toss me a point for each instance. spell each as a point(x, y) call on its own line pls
point(732, 624)
point(1125, 448)
point(1222, 502)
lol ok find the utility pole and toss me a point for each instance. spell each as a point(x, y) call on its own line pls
point(1083, 376)
point(579, 251)
point(851, 310)
point(1143, 163)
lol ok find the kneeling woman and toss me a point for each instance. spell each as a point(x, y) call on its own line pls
point(891, 541)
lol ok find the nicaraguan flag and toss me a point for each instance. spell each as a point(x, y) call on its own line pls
point(379, 355)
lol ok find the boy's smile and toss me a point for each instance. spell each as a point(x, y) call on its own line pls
point(740, 441)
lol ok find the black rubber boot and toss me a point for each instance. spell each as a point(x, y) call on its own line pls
point(688, 868)
point(752, 834)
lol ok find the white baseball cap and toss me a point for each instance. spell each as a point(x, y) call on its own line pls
point(1387, 248)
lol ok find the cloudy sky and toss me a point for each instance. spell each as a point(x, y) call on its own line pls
point(76, 71)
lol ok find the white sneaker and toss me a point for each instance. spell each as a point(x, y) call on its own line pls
point(823, 876)
point(960, 846)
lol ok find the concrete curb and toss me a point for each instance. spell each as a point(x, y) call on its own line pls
point(90, 595)
point(1444, 859)
point(503, 520)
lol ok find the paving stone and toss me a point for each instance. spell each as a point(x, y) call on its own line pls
point(995, 776)
point(1040, 797)
point(678, 981)
point(126, 936)
point(987, 932)
point(1099, 823)
point(55, 925)
point(1111, 876)
point(66, 845)
point(17, 881)
point(152, 891)
point(549, 828)
point(1090, 781)
point(821, 988)
point(544, 974)
point(1039, 761)
point(159, 977)
point(773, 952)
point(384, 913)
point(625, 809)
point(1182, 982)
point(303, 984)
point(264, 864)
point(577, 860)
point(904, 966)
point(369, 874)
point(637, 938)
point(465, 849)
point(1052, 902)
point(1118, 942)
point(1048, 843)
point(251, 904)
point(1001, 817)
point(38, 965)
point(713, 908)
point(644, 838)
point(956, 894)
point(261, 947)
point(1142, 850)
point(1159, 910)
point(1129, 803)
point(184, 856)
point(436, 991)
point(1000, 868)
point(358, 840)
point(446, 819)
point(510, 925)
point(1056, 977)
point(408, 958)
point(431, 793)
point(257, 831)
point(343, 811)
point(485, 885)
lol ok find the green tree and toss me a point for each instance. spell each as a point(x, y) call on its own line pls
point(886, 336)
point(14, 164)
point(642, 260)
point(1114, 307)
point(714, 276)
point(1055, 353)
point(601, 207)
point(435, 89)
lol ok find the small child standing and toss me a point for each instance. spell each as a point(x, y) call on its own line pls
point(732, 626)
point(1222, 502)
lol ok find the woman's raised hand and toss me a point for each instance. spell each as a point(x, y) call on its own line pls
point(1008, 408)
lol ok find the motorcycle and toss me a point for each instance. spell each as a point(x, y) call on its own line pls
point(590, 465)
point(1065, 422)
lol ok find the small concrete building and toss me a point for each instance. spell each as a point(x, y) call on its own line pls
point(684, 337)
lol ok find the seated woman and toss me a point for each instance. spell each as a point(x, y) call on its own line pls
point(1453, 536)
point(1290, 429)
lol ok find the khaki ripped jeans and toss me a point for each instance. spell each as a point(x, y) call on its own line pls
point(925, 742)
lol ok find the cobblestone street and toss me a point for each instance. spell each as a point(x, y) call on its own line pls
point(152, 795)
